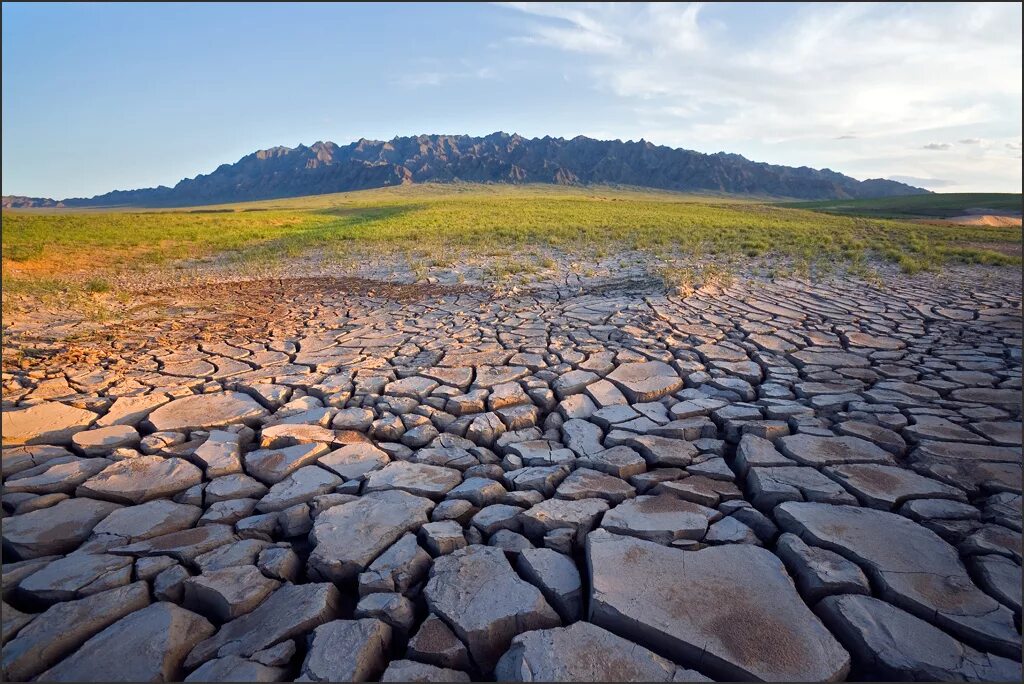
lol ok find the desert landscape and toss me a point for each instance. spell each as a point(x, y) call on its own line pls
point(690, 349)
point(592, 455)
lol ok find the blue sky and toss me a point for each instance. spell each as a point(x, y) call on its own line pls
point(99, 97)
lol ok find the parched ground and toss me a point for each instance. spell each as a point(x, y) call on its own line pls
point(585, 477)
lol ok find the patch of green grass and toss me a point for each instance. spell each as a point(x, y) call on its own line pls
point(97, 285)
point(438, 223)
point(936, 205)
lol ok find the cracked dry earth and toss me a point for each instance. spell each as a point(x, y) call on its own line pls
point(778, 481)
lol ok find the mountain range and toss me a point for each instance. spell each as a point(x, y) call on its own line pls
point(326, 167)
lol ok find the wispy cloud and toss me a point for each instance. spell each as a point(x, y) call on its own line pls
point(430, 73)
point(708, 76)
point(930, 183)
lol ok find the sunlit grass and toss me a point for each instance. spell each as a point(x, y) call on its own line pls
point(47, 250)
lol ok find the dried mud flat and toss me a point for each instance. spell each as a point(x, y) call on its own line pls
point(341, 479)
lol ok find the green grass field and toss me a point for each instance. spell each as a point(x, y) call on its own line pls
point(47, 249)
point(918, 206)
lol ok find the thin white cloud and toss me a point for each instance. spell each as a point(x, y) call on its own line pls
point(930, 183)
point(431, 73)
point(900, 75)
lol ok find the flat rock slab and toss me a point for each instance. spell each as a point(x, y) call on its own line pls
point(49, 422)
point(151, 519)
point(100, 441)
point(480, 596)
point(910, 566)
point(353, 461)
point(895, 645)
point(585, 483)
point(58, 477)
point(648, 381)
point(20, 458)
point(415, 478)
point(814, 450)
point(140, 479)
point(288, 612)
point(662, 519)
point(227, 593)
point(769, 487)
point(888, 487)
point(202, 411)
point(347, 538)
point(557, 577)
point(148, 645)
point(347, 651)
point(184, 546)
point(730, 611)
point(581, 652)
point(299, 487)
point(411, 671)
point(579, 517)
point(57, 529)
point(270, 466)
point(76, 576)
point(235, 669)
point(831, 358)
point(63, 627)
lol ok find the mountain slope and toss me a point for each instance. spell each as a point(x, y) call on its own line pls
point(22, 202)
point(497, 158)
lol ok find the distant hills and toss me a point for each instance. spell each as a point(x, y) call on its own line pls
point(325, 167)
point(22, 202)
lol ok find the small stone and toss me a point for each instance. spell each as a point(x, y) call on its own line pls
point(279, 563)
point(169, 585)
point(435, 643)
point(391, 608)
point(442, 538)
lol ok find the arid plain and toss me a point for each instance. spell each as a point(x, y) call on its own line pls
point(442, 433)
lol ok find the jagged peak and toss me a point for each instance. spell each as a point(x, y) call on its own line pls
point(325, 166)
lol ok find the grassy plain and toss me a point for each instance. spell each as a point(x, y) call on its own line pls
point(919, 206)
point(66, 250)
